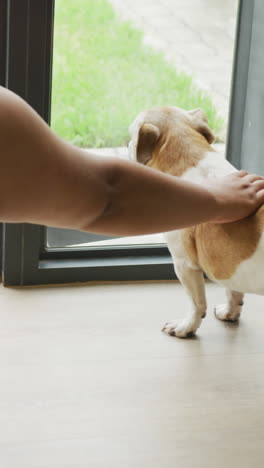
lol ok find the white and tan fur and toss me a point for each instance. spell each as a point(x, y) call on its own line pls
point(178, 142)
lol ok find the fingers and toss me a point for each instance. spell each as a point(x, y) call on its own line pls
point(258, 184)
point(253, 178)
point(260, 197)
point(249, 177)
point(241, 173)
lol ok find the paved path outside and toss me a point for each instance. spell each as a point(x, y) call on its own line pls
point(195, 35)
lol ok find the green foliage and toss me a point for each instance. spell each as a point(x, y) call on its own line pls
point(103, 76)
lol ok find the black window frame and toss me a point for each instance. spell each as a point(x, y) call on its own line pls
point(3, 26)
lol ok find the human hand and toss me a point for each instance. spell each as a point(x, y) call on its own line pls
point(237, 195)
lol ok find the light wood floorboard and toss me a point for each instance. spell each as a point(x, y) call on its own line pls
point(87, 379)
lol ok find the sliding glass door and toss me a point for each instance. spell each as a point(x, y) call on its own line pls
point(39, 255)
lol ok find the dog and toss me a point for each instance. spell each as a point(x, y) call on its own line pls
point(178, 142)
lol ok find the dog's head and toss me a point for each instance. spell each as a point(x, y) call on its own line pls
point(170, 139)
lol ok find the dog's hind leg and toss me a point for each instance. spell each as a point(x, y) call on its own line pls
point(230, 311)
point(193, 281)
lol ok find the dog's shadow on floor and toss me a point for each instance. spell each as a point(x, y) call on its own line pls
point(231, 325)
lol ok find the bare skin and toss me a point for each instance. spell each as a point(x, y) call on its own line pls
point(45, 180)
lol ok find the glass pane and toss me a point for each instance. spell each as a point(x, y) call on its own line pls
point(252, 142)
point(113, 59)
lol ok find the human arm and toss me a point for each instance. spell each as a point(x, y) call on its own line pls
point(143, 200)
point(45, 180)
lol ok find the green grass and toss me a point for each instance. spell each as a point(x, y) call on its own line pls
point(103, 76)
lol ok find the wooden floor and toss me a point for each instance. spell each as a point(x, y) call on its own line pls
point(88, 380)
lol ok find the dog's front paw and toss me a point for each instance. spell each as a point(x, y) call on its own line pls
point(182, 329)
point(224, 312)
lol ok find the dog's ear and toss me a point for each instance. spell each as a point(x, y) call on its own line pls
point(200, 123)
point(147, 138)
